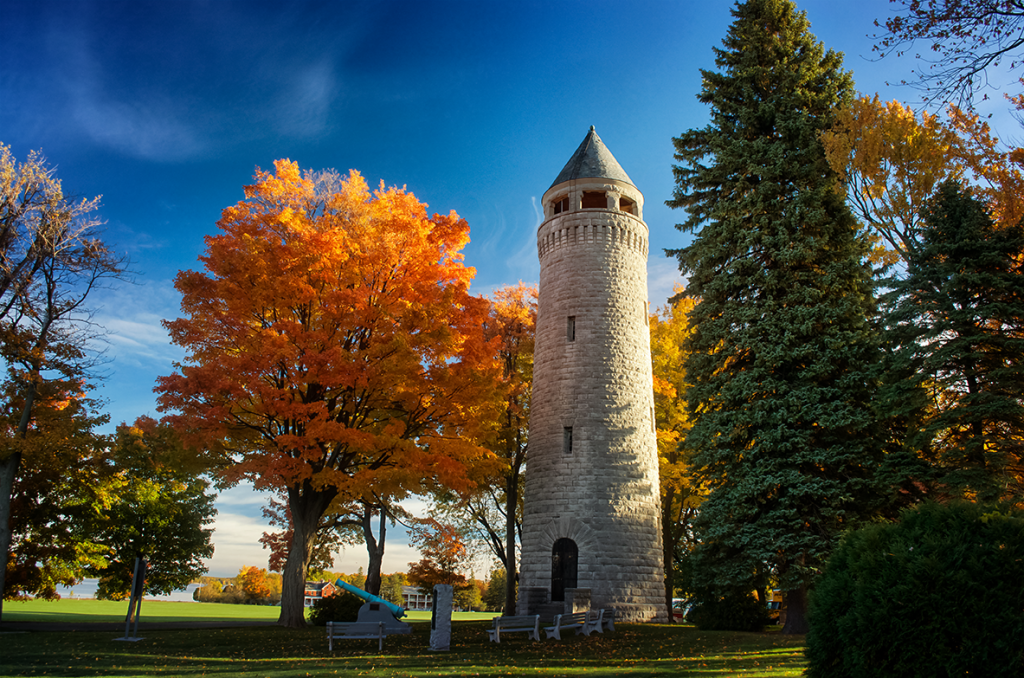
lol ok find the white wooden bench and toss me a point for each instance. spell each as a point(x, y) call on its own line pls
point(564, 622)
point(356, 631)
point(528, 623)
point(599, 620)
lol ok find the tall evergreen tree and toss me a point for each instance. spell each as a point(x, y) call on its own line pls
point(780, 352)
point(958, 321)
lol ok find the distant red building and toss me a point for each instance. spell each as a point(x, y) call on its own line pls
point(315, 590)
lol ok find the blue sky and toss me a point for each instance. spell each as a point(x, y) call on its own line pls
point(165, 109)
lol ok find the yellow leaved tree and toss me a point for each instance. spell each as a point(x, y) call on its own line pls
point(892, 160)
point(681, 493)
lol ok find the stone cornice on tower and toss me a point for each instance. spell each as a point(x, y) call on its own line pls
point(620, 230)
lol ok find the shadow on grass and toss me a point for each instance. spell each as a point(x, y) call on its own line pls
point(634, 650)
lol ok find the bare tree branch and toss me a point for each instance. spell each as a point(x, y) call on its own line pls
point(966, 40)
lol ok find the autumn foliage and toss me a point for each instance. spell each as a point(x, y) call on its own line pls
point(892, 161)
point(444, 556)
point(60, 487)
point(496, 509)
point(333, 349)
point(51, 258)
point(681, 491)
point(253, 582)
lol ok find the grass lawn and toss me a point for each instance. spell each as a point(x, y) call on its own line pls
point(631, 650)
point(72, 610)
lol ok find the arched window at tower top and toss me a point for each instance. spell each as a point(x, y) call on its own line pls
point(560, 205)
point(595, 200)
point(592, 200)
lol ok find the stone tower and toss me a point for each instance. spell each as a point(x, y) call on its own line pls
point(592, 519)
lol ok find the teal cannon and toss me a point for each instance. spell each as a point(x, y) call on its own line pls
point(398, 612)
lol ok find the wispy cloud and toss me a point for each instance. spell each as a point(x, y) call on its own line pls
point(397, 556)
point(237, 529)
point(131, 316)
point(236, 544)
point(243, 496)
point(239, 526)
point(141, 124)
point(662, 277)
point(136, 348)
point(522, 258)
point(150, 130)
point(305, 105)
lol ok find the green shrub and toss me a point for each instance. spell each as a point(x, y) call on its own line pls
point(940, 593)
point(730, 612)
point(341, 607)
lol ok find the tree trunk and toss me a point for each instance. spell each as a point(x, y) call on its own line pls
point(293, 581)
point(307, 508)
point(511, 504)
point(374, 548)
point(796, 611)
point(8, 471)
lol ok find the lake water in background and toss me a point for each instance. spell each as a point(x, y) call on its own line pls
point(87, 589)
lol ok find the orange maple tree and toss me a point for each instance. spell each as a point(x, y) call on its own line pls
point(253, 583)
point(334, 351)
point(513, 321)
point(444, 556)
point(495, 508)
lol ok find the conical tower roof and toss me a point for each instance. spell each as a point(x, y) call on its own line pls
point(592, 160)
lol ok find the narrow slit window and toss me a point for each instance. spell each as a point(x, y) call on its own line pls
point(567, 440)
point(570, 328)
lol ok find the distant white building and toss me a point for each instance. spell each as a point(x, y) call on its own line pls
point(416, 599)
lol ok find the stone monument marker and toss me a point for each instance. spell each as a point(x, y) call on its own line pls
point(441, 619)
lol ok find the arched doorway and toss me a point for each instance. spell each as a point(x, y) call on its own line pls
point(564, 555)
